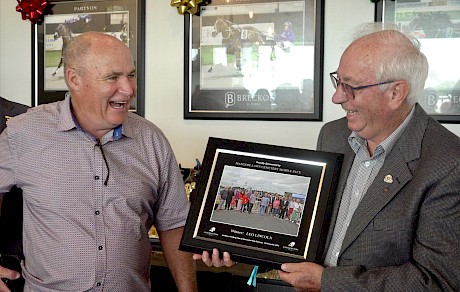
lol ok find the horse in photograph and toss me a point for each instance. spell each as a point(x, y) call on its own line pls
point(65, 33)
point(235, 37)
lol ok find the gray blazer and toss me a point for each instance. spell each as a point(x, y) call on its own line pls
point(405, 233)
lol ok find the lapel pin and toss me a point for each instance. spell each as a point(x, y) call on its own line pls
point(388, 179)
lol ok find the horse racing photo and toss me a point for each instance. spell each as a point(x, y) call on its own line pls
point(257, 57)
point(61, 29)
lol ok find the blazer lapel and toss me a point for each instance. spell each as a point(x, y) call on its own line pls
point(394, 174)
point(390, 179)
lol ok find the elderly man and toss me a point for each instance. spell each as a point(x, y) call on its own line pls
point(397, 223)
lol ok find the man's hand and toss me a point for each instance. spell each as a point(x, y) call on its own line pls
point(8, 274)
point(215, 260)
point(304, 276)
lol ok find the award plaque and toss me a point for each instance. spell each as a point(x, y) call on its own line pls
point(264, 204)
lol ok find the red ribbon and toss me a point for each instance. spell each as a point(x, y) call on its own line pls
point(31, 9)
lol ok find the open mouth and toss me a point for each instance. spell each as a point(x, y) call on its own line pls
point(117, 104)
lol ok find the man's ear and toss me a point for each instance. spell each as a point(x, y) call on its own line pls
point(399, 90)
point(73, 78)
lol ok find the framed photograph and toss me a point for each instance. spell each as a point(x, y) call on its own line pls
point(264, 204)
point(65, 20)
point(254, 60)
point(436, 24)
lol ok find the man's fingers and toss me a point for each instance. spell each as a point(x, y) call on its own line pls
point(287, 267)
point(3, 287)
point(10, 274)
point(197, 257)
point(216, 261)
point(206, 259)
point(227, 260)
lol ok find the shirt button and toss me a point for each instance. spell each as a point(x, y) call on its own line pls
point(96, 177)
point(100, 247)
point(337, 254)
point(367, 163)
point(97, 212)
point(98, 284)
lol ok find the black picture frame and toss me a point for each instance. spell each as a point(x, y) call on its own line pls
point(439, 36)
point(124, 19)
point(240, 65)
point(256, 237)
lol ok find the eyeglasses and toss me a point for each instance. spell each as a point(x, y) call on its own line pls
point(347, 88)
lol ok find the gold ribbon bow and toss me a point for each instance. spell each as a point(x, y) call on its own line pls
point(190, 6)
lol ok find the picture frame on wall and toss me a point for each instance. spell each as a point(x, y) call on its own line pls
point(242, 202)
point(254, 60)
point(65, 20)
point(436, 24)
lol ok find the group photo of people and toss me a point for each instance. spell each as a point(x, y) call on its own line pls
point(288, 206)
point(258, 209)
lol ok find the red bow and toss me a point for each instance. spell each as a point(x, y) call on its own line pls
point(31, 9)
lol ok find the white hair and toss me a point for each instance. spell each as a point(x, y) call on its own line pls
point(401, 57)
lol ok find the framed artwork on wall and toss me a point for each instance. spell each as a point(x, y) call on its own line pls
point(436, 24)
point(254, 60)
point(65, 20)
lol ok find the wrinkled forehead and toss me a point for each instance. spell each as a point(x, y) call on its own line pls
point(109, 56)
point(104, 68)
point(360, 58)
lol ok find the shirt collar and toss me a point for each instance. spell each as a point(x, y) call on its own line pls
point(67, 122)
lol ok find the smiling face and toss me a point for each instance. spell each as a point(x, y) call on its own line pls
point(365, 112)
point(374, 113)
point(103, 85)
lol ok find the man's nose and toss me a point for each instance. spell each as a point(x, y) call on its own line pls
point(127, 86)
point(339, 96)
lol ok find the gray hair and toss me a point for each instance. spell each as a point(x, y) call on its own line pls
point(401, 57)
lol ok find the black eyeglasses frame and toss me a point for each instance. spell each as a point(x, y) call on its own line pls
point(348, 89)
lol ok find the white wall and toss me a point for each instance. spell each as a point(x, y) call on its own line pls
point(164, 78)
point(15, 54)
